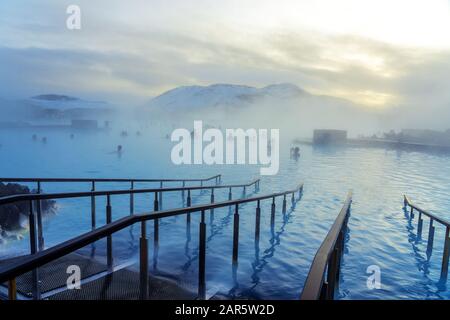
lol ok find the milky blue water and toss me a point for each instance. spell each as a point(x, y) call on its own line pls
point(379, 232)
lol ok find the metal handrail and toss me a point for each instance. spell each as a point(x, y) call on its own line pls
point(105, 180)
point(327, 259)
point(408, 202)
point(446, 252)
point(31, 262)
point(35, 221)
point(67, 195)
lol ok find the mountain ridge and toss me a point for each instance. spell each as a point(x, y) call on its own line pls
point(222, 94)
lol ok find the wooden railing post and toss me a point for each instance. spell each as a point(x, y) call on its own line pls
point(230, 195)
point(284, 204)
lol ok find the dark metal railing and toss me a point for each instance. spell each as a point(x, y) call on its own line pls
point(217, 178)
point(94, 182)
point(323, 277)
point(445, 256)
point(9, 272)
point(35, 216)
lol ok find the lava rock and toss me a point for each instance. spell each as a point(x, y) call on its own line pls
point(12, 214)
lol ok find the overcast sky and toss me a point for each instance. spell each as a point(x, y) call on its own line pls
point(377, 53)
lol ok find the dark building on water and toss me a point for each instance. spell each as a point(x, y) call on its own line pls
point(329, 137)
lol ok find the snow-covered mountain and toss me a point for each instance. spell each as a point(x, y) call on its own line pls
point(222, 95)
point(279, 105)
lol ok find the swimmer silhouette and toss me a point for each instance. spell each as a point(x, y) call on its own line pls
point(295, 153)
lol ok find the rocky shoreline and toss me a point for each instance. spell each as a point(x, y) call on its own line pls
point(12, 215)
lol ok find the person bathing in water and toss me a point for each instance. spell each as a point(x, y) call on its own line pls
point(295, 153)
point(118, 150)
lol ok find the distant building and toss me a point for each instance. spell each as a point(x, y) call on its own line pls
point(84, 124)
point(332, 137)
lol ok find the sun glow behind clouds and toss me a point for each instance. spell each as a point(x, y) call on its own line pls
point(401, 22)
point(367, 51)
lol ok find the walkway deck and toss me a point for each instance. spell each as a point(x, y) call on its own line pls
point(97, 283)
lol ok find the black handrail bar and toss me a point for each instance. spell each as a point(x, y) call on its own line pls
point(35, 220)
point(28, 263)
point(104, 179)
point(446, 252)
point(66, 195)
point(327, 259)
point(408, 202)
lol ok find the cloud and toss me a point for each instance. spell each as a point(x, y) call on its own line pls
point(137, 53)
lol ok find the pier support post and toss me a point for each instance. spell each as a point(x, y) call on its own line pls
point(202, 259)
point(212, 200)
point(12, 289)
point(93, 207)
point(132, 198)
point(34, 249)
point(332, 273)
point(109, 254)
point(182, 191)
point(188, 204)
point(156, 221)
point(236, 234)
point(160, 194)
point(444, 269)
point(272, 212)
point(284, 204)
point(39, 220)
point(419, 226)
point(230, 195)
point(430, 237)
point(257, 221)
point(143, 262)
